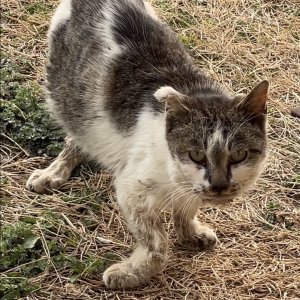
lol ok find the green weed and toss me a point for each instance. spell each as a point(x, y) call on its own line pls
point(163, 4)
point(3, 180)
point(273, 205)
point(22, 114)
point(182, 20)
point(22, 254)
point(90, 199)
point(190, 40)
point(20, 249)
point(18, 245)
point(38, 8)
point(87, 267)
point(15, 288)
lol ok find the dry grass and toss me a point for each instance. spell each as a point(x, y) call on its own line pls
point(238, 43)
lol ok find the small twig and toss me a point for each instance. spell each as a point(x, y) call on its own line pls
point(25, 152)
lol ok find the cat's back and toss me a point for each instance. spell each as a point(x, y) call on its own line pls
point(87, 40)
point(95, 49)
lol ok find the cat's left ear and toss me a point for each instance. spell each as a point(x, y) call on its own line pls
point(173, 99)
point(256, 102)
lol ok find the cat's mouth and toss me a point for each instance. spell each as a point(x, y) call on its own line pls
point(216, 201)
point(210, 197)
point(219, 198)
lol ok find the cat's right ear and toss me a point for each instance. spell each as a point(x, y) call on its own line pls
point(173, 99)
point(255, 102)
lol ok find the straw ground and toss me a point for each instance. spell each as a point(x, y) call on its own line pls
point(56, 246)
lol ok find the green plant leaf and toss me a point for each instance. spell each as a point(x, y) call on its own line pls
point(30, 241)
point(74, 277)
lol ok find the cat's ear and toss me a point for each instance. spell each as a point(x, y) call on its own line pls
point(173, 99)
point(255, 102)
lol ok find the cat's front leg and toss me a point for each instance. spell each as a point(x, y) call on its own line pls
point(59, 171)
point(190, 231)
point(149, 257)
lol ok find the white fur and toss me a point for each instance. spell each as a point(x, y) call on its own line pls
point(166, 92)
point(112, 49)
point(245, 175)
point(148, 149)
point(139, 151)
point(62, 14)
point(216, 138)
point(198, 179)
point(150, 10)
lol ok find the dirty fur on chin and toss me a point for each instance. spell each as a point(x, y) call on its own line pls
point(127, 94)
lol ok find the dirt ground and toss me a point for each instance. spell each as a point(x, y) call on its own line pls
point(56, 246)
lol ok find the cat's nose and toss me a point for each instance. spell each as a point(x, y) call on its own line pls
point(218, 183)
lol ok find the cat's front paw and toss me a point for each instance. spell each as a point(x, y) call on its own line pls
point(43, 181)
point(205, 237)
point(121, 276)
point(200, 236)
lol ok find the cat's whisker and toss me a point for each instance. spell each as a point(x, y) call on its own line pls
point(170, 199)
point(184, 210)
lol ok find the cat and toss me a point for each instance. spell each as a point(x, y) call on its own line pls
point(128, 96)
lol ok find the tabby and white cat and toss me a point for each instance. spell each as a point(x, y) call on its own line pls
point(127, 94)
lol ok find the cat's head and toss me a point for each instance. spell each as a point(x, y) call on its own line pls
point(217, 143)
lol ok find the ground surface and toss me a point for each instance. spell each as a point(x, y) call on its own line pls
point(56, 246)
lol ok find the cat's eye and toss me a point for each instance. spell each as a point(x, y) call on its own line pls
point(197, 156)
point(238, 156)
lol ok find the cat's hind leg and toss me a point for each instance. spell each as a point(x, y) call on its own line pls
point(59, 171)
point(149, 257)
point(190, 231)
